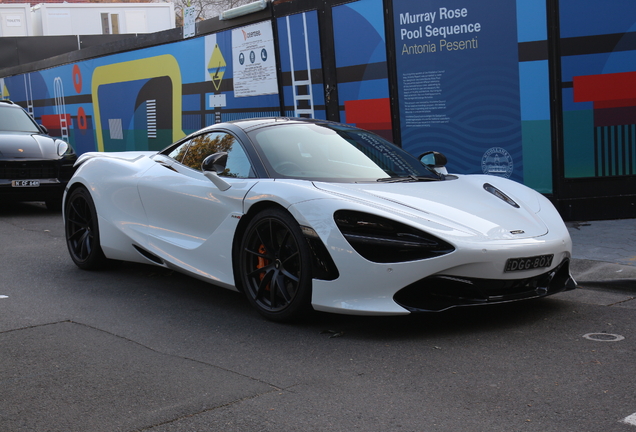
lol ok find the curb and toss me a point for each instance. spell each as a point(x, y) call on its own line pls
point(600, 274)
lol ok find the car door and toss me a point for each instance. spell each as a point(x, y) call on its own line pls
point(191, 222)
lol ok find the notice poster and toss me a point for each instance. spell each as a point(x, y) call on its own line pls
point(189, 16)
point(458, 83)
point(254, 61)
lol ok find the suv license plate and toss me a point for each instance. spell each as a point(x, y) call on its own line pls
point(25, 183)
point(530, 263)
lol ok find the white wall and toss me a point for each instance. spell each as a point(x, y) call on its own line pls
point(86, 18)
point(15, 19)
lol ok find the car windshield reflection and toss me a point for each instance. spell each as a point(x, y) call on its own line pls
point(333, 153)
point(16, 120)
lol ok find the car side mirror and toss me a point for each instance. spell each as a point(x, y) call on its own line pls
point(215, 162)
point(434, 160)
point(212, 166)
point(44, 129)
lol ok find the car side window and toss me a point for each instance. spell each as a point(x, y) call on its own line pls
point(238, 165)
point(179, 151)
point(198, 148)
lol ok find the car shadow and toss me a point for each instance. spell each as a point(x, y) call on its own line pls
point(17, 209)
point(218, 307)
point(460, 320)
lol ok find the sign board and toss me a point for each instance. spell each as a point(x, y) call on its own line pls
point(254, 61)
point(14, 20)
point(458, 81)
point(189, 27)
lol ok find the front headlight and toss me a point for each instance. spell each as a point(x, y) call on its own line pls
point(63, 148)
point(383, 240)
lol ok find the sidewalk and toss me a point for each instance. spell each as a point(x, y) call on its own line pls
point(604, 253)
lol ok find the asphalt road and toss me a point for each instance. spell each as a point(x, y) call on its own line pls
point(140, 348)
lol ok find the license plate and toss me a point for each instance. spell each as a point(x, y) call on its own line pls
point(25, 183)
point(529, 263)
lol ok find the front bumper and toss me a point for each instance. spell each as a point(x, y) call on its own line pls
point(439, 292)
point(52, 175)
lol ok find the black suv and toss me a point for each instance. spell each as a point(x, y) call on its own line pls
point(33, 165)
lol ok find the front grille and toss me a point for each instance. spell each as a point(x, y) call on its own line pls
point(439, 292)
point(20, 170)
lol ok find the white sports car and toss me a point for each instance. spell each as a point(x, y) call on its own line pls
point(300, 214)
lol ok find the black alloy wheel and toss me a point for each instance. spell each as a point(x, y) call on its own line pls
point(275, 266)
point(82, 231)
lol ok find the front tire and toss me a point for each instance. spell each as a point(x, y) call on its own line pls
point(82, 230)
point(275, 266)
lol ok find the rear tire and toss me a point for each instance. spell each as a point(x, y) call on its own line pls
point(82, 230)
point(275, 266)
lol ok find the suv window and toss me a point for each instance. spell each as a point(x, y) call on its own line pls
point(14, 119)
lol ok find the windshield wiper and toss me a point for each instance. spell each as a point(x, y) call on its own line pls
point(409, 178)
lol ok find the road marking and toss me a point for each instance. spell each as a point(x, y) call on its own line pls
point(603, 337)
point(630, 419)
point(3, 296)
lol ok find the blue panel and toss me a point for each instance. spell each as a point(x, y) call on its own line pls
point(372, 89)
point(358, 33)
point(532, 22)
point(535, 90)
point(570, 105)
point(192, 102)
point(296, 28)
point(621, 61)
point(301, 44)
point(596, 17)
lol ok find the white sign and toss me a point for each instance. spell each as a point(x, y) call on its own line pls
point(189, 27)
point(253, 60)
point(14, 20)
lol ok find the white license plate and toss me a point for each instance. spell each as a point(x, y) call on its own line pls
point(529, 263)
point(25, 183)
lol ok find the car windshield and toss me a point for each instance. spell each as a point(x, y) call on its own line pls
point(316, 151)
point(13, 119)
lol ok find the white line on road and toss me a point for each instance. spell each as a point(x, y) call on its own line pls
point(630, 419)
point(3, 296)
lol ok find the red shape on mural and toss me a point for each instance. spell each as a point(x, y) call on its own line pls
point(370, 114)
point(613, 96)
point(53, 123)
point(605, 87)
point(77, 79)
point(81, 118)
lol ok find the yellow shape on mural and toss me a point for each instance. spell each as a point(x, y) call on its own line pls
point(216, 67)
point(146, 68)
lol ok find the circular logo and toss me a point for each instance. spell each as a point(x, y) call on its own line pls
point(497, 161)
point(252, 57)
point(264, 54)
point(241, 58)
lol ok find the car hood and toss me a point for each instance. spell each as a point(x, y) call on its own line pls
point(462, 204)
point(24, 145)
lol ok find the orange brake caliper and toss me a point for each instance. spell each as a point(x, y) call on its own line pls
point(262, 262)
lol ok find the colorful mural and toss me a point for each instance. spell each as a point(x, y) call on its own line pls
point(149, 98)
point(599, 77)
point(534, 95)
point(361, 66)
point(301, 65)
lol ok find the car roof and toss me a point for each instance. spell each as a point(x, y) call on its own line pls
point(8, 102)
point(250, 124)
